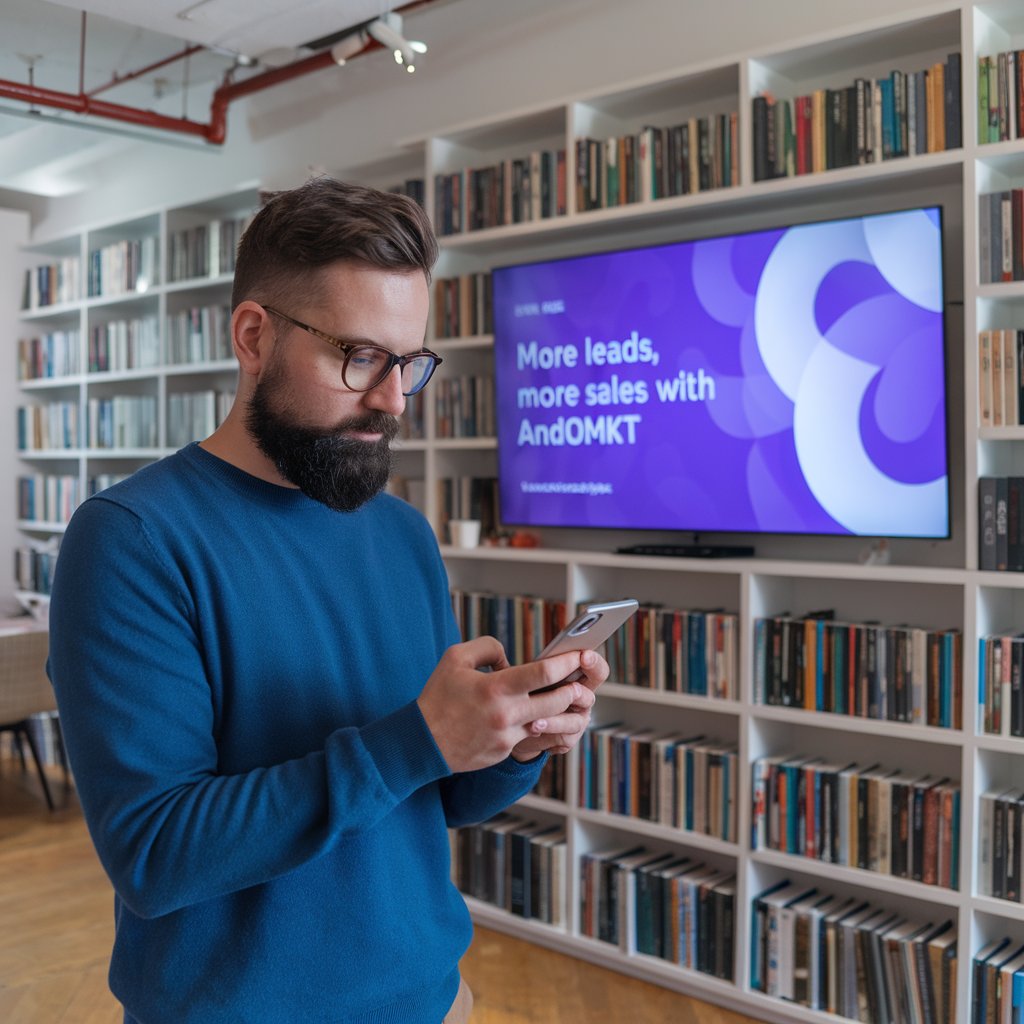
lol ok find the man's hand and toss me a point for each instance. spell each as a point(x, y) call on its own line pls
point(479, 718)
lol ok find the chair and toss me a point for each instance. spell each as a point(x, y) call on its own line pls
point(25, 690)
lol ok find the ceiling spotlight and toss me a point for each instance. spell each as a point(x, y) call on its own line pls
point(349, 47)
point(388, 32)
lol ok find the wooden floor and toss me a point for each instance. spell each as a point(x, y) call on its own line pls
point(56, 912)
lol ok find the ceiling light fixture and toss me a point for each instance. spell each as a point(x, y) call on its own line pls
point(348, 47)
point(388, 32)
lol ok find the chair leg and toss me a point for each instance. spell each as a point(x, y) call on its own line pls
point(23, 728)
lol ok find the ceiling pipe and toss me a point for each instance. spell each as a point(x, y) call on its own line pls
point(215, 131)
point(155, 66)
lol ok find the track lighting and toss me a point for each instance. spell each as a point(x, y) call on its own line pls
point(349, 46)
point(388, 32)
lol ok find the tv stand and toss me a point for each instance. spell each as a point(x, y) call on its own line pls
point(689, 550)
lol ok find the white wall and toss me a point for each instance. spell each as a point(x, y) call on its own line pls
point(486, 57)
point(14, 227)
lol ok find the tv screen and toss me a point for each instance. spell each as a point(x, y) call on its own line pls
point(782, 381)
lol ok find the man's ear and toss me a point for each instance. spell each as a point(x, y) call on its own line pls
point(251, 336)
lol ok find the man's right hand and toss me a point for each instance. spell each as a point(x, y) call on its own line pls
point(477, 717)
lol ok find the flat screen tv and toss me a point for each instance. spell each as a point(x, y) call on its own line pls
point(787, 381)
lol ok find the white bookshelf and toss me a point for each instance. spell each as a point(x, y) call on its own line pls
point(936, 584)
point(158, 380)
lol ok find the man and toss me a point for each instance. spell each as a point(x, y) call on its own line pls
point(269, 716)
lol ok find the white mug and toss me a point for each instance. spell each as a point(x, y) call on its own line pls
point(464, 533)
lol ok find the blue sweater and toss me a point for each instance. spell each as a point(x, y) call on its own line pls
point(236, 668)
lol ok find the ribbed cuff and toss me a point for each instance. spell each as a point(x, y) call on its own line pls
point(403, 749)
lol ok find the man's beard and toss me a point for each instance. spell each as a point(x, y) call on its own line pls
point(340, 472)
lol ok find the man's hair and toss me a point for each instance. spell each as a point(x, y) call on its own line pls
point(300, 230)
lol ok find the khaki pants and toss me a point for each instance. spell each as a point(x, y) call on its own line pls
point(462, 1009)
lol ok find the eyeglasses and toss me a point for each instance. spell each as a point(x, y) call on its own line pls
point(366, 366)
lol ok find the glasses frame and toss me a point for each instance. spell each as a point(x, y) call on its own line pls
point(348, 349)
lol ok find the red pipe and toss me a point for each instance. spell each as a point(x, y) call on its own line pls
point(216, 131)
point(156, 65)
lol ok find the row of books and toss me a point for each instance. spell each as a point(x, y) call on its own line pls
point(678, 651)
point(413, 422)
point(48, 497)
point(997, 983)
point(676, 160)
point(463, 306)
point(530, 188)
point(893, 673)
point(1000, 694)
point(414, 188)
point(464, 406)
point(662, 905)
point(469, 497)
point(905, 824)
point(201, 334)
point(902, 114)
point(55, 354)
point(123, 421)
point(513, 863)
point(51, 283)
point(680, 782)
point(1001, 236)
point(48, 426)
point(851, 958)
point(34, 563)
point(123, 267)
point(206, 250)
point(193, 415)
point(1000, 377)
point(524, 625)
point(124, 345)
point(53, 497)
point(1001, 96)
point(553, 780)
point(999, 850)
point(1000, 532)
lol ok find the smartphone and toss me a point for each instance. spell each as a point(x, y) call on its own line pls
point(591, 628)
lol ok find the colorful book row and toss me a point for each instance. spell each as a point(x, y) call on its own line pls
point(51, 283)
point(33, 566)
point(999, 850)
point(464, 406)
point(206, 250)
point(513, 863)
point(46, 427)
point(523, 625)
point(661, 905)
point(903, 114)
point(124, 345)
point(124, 421)
point(851, 958)
point(678, 651)
point(1000, 529)
point(199, 335)
point(997, 983)
point(680, 782)
point(656, 162)
point(463, 306)
point(1001, 236)
point(1000, 377)
point(905, 824)
point(123, 267)
point(1001, 97)
point(48, 497)
point(1000, 696)
point(524, 189)
point(890, 673)
point(51, 355)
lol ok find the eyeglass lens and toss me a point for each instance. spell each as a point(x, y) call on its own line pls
point(367, 367)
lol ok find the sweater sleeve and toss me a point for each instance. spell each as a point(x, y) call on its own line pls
point(138, 715)
point(471, 797)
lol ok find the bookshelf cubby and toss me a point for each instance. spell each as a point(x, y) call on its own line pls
point(934, 586)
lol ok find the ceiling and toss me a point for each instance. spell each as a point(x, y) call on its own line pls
point(44, 151)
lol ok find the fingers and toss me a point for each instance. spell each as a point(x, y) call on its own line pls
point(482, 652)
